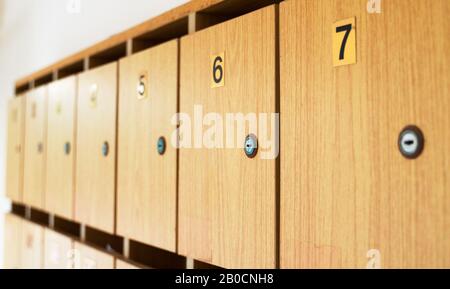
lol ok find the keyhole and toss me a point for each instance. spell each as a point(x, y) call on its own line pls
point(411, 142)
point(161, 146)
point(251, 146)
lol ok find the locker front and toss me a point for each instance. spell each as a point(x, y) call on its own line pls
point(32, 246)
point(227, 194)
point(35, 143)
point(58, 251)
point(12, 245)
point(364, 137)
point(14, 162)
point(96, 147)
point(61, 111)
point(86, 257)
point(147, 161)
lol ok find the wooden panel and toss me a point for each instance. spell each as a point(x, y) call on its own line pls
point(14, 165)
point(32, 245)
point(57, 250)
point(226, 200)
point(147, 181)
point(61, 131)
point(345, 187)
point(35, 139)
point(153, 24)
point(95, 173)
point(12, 245)
point(90, 258)
point(124, 265)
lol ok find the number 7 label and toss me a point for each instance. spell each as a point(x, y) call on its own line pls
point(344, 42)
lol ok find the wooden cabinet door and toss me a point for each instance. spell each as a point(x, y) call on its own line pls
point(32, 246)
point(96, 147)
point(227, 201)
point(35, 143)
point(12, 245)
point(61, 147)
point(14, 165)
point(147, 181)
point(348, 196)
point(57, 250)
point(90, 258)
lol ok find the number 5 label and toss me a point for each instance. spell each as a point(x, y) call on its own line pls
point(344, 42)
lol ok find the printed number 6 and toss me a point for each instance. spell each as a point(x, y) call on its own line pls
point(218, 70)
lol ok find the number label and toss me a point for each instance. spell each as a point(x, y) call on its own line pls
point(218, 70)
point(142, 86)
point(14, 115)
point(33, 110)
point(58, 107)
point(93, 90)
point(344, 42)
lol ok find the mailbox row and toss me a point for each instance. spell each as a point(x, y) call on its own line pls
point(106, 147)
point(30, 246)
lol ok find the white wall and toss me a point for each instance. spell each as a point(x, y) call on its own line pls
point(37, 33)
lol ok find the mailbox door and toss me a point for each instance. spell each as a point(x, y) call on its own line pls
point(61, 147)
point(90, 258)
point(348, 196)
point(96, 147)
point(12, 245)
point(57, 251)
point(147, 181)
point(32, 246)
point(14, 166)
point(35, 139)
point(226, 199)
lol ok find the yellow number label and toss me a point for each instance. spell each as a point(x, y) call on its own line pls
point(58, 108)
point(142, 89)
point(93, 91)
point(344, 42)
point(218, 70)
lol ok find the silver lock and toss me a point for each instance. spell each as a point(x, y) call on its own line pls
point(161, 146)
point(251, 146)
point(67, 148)
point(105, 149)
point(40, 147)
point(411, 142)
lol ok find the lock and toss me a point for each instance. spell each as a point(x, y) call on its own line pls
point(67, 148)
point(40, 147)
point(251, 146)
point(411, 142)
point(105, 149)
point(141, 88)
point(161, 145)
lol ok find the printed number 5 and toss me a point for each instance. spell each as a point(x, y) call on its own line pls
point(218, 70)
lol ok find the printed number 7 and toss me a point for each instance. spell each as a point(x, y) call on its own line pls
point(347, 28)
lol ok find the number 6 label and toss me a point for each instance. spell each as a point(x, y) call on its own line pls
point(344, 42)
point(218, 70)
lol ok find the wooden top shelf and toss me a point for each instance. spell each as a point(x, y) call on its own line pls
point(221, 8)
